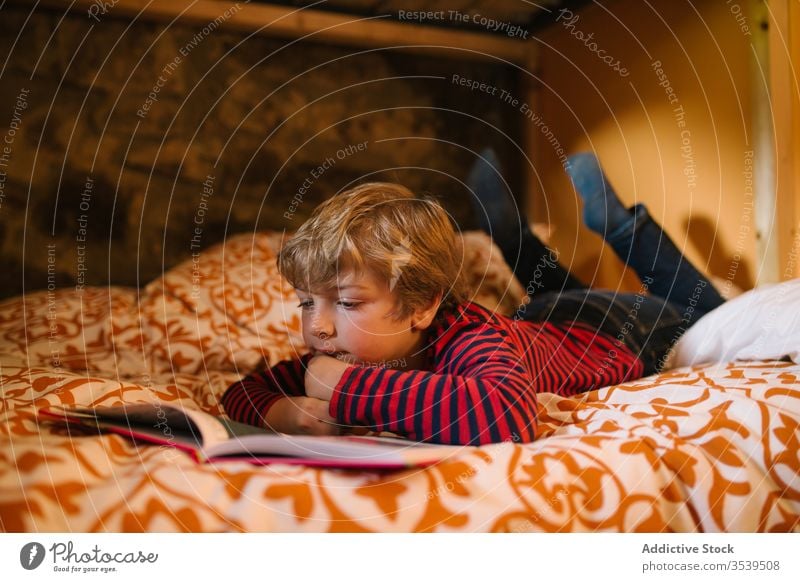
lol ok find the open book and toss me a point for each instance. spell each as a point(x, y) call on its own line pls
point(210, 438)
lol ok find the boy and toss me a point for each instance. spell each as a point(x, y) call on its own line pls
point(395, 345)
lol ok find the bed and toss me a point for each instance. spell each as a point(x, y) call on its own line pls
point(710, 447)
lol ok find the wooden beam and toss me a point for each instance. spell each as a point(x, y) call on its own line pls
point(311, 25)
point(764, 125)
point(784, 58)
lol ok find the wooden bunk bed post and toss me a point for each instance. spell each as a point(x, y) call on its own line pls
point(764, 160)
point(783, 37)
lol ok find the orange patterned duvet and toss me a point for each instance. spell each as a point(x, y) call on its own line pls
point(700, 449)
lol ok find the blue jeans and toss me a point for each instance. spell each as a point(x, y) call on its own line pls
point(673, 296)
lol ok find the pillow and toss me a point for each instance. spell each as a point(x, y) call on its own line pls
point(226, 309)
point(489, 279)
point(762, 324)
point(70, 330)
point(229, 309)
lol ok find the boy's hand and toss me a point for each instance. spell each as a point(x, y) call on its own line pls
point(301, 415)
point(322, 375)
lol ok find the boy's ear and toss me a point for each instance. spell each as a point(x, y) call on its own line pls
point(424, 316)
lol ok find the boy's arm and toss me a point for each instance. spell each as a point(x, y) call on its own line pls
point(483, 394)
point(250, 399)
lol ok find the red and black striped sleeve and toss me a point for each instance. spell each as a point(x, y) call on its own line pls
point(605, 360)
point(249, 399)
point(479, 393)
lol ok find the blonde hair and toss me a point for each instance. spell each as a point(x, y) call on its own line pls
point(406, 241)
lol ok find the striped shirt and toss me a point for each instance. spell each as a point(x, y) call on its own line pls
point(478, 385)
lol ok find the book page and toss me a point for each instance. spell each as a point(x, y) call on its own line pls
point(159, 421)
point(227, 440)
point(210, 427)
point(357, 450)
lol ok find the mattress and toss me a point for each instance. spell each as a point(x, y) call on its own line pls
point(702, 448)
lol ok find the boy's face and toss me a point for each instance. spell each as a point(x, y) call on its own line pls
point(353, 323)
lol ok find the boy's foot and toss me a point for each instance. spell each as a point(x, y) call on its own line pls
point(493, 205)
point(602, 210)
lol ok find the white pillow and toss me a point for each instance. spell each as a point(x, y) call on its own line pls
point(762, 324)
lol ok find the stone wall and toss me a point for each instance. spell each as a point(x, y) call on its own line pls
point(135, 143)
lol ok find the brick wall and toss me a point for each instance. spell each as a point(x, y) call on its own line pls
point(134, 142)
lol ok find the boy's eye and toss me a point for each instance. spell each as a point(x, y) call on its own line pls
point(308, 303)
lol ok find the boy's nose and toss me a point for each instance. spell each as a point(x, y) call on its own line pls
point(322, 327)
